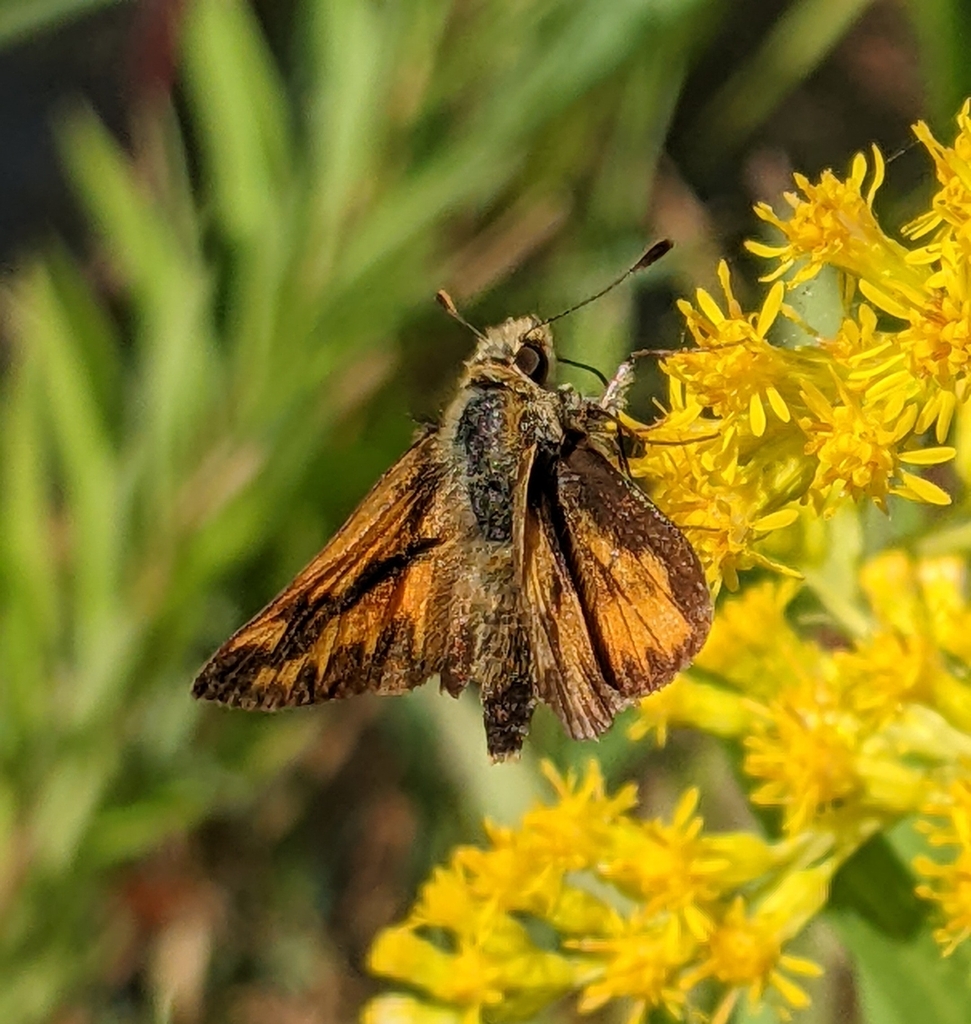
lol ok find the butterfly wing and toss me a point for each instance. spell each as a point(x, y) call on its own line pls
point(565, 669)
point(639, 583)
point(368, 613)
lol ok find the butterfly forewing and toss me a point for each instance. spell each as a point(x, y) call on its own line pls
point(640, 584)
point(369, 611)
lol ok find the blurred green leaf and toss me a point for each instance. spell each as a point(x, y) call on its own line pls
point(242, 114)
point(66, 802)
point(903, 982)
point(29, 628)
point(805, 32)
point(90, 472)
point(879, 888)
point(944, 29)
point(21, 18)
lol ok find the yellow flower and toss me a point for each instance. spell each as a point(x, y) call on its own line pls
point(891, 583)
point(724, 505)
point(756, 432)
point(496, 964)
point(746, 857)
point(396, 1009)
point(884, 670)
point(745, 952)
point(516, 875)
point(853, 448)
point(667, 867)
point(832, 222)
point(643, 964)
point(572, 834)
point(688, 702)
point(753, 647)
point(924, 610)
point(949, 884)
point(734, 369)
point(804, 750)
point(943, 586)
point(938, 340)
point(856, 452)
point(951, 206)
point(468, 977)
point(447, 900)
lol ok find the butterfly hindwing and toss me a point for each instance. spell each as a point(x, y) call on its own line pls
point(641, 587)
point(367, 613)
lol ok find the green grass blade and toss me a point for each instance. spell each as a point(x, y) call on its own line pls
point(241, 112)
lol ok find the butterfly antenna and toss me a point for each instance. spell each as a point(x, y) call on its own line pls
point(583, 366)
point(656, 251)
point(905, 148)
point(663, 353)
point(445, 301)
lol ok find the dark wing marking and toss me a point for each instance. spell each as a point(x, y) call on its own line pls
point(565, 669)
point(368, 613)
point(640, 584)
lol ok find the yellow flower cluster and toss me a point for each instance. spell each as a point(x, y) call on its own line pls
point(586, 899)
point(772, 430)
point(845, 742)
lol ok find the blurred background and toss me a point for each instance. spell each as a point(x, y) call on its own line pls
point(222, 223)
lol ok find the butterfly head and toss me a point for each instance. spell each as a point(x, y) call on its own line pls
point(521, 344)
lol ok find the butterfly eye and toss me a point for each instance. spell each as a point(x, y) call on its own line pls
point(533, 362)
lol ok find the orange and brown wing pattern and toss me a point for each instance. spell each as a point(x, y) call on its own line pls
point(641, 587)
point(565, 669)
point(366, 614)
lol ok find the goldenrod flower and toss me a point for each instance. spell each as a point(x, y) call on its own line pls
point(753, 647)
point(949, 883)
point(703, 476)
point(687, 701)
point(832, 223)
point(950, 212)
point(573, 834)
point(853, 448)
point(673, 888)
point(756, 431)
point(398, 1009)
point(466, 977)
point(734, 369)
point(885, 670)
point(768, 430)
point(667, 867)
point(803, 751)
point(745, 952)
point(642, 963)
